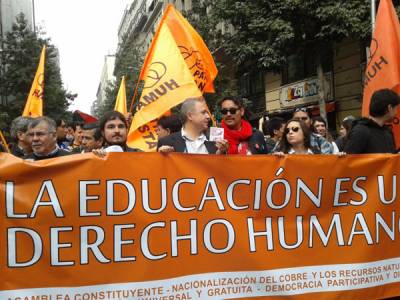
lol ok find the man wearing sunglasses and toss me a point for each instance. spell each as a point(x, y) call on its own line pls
point(242, 138)
point(192, 138)
point(316, 141)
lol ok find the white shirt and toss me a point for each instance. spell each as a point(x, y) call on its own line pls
point(196, 146)
point(291, 151)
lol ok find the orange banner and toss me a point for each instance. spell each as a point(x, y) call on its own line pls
point(182, 226)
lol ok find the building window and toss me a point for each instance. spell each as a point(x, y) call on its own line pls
point(304, 65)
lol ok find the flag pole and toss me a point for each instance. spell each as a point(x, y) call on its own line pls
point(134, 95)
point(4, 142)
point(373, 15)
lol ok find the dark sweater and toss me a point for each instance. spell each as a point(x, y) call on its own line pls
point(366, 136)
point(58, 153)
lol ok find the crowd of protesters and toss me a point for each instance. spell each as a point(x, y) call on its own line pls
point(189, 132)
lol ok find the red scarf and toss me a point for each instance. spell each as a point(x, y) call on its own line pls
point(236, 137)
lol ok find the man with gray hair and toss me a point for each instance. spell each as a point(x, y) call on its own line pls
point(192, 137)
point(20, 146)
point(43, 138)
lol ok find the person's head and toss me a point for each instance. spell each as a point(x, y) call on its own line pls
point(346, 126)
point(195, 114)
point(42, 135)
point(91, 137)
point(19, 128)
point(319, 126)
point(384, 104)
point(61, 129)
point(303, 115)
point(113, 128)
point(78, 130)
point(167, 125)
point(232, 111)
point(274, 127)
point(296, 133)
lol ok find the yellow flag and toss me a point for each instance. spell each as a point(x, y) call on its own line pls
point(168, 82)
point(34, 103)
point(120, 103)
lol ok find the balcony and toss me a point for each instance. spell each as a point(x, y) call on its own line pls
point(153, 11)
point(140, 18)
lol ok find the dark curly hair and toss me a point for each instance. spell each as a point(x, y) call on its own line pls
point(284, 145)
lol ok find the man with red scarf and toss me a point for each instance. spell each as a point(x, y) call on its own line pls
point(242, 138)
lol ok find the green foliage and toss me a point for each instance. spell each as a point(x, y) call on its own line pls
point(269, 31)
point(19, 62)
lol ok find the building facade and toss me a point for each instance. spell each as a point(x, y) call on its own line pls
point(298, 85)
point(10, 9)
point(141, 18)
point(105, 78)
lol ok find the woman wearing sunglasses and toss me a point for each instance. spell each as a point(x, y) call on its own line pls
point(296, 139)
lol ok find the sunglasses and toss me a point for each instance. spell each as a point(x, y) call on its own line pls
point(294, 129)
point(231, 110)
point(303, 109)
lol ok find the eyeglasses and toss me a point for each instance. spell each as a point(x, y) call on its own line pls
point(231, 110)
point(294, 129)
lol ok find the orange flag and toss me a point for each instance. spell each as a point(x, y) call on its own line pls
point(192, 47)
point(383, 70)
point(167, 83)
point(120, 103)
point(34, 103)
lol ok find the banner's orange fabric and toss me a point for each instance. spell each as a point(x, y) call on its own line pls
point(168, 82)
point(120, 102)
point(199, 227)
point(383, 69)
point(34, 103)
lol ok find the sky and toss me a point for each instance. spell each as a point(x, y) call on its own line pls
point(84, 31)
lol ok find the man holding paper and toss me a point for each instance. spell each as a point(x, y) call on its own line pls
point(192, 138)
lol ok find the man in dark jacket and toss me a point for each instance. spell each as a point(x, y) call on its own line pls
point(43, 138)
point(192, 138)
point(372, 135)
point(242, 138)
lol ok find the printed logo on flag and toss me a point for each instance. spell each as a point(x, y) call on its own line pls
point(156, 72)
point(195, 64)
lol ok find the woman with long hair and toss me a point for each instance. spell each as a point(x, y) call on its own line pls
point(319, 127)
point(296, 139)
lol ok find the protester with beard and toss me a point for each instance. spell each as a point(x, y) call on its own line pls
point(114, 130)
point(242, 138)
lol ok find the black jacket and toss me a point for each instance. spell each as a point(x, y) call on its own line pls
point(58, 153)
point(16, 151)
point(366, 136)
point(257, 143)
point(177, 141)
